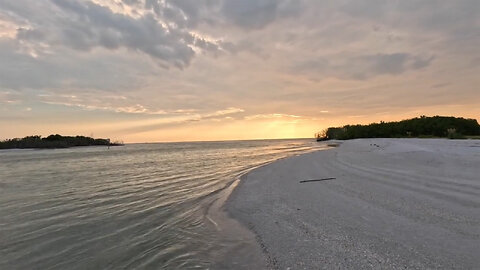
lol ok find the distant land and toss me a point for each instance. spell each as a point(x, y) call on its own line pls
point(419, 127)
point(54, 141)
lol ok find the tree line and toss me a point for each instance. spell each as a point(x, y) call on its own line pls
point(423, 126)
point(54, 141)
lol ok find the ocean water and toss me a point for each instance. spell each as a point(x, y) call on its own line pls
point(142, 206)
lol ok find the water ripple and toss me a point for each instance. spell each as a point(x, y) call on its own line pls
point(137, 206)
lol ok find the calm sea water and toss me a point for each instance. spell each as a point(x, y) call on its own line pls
point(134, 206)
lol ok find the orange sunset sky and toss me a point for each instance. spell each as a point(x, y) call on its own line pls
point(185, 70)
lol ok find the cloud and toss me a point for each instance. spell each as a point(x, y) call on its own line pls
point(362, 67)
point(246, 14)
point(220, 115)
point(7, 97)
point(250, 13)
point(102, 71)
point(132, 109)
point(270, 116)
point(90, 25)
point(91, 101)
point(440, 85)
point(203, 60)
point(227, 111)
point(427, 14)
point(187, 13)
point(85, 25)
point(256, 14)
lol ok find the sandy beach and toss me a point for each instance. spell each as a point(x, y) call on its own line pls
point(374, 203)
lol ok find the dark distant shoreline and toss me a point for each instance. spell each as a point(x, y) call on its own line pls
point(54, 141)
point(419, 127)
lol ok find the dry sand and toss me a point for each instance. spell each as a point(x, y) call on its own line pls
point(394, 204)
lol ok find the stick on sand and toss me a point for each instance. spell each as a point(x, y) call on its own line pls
point(318, 180)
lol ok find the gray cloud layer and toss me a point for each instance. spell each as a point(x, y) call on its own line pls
point(364, 66)
point(85, 25)
point(264, 56)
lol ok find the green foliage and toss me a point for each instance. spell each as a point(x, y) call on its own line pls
point(453, 134)
point(436, 126)
point(53, 141)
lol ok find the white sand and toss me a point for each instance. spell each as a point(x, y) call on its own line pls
point(395, 203)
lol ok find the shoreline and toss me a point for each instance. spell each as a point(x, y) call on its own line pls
point(394, 203)
point(244, 250)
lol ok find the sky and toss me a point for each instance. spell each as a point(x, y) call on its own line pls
point(188, 70)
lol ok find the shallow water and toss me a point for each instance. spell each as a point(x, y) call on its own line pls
point(135, 206)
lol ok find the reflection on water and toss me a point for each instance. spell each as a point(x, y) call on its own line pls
point(135, 206)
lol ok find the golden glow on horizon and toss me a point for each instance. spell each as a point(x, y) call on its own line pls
point(201, 70)
point(278, 127)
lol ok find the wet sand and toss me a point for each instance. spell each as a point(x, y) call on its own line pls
point(382, 203)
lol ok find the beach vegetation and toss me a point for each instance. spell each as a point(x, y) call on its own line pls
point(419, 127)
point(54, 141)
